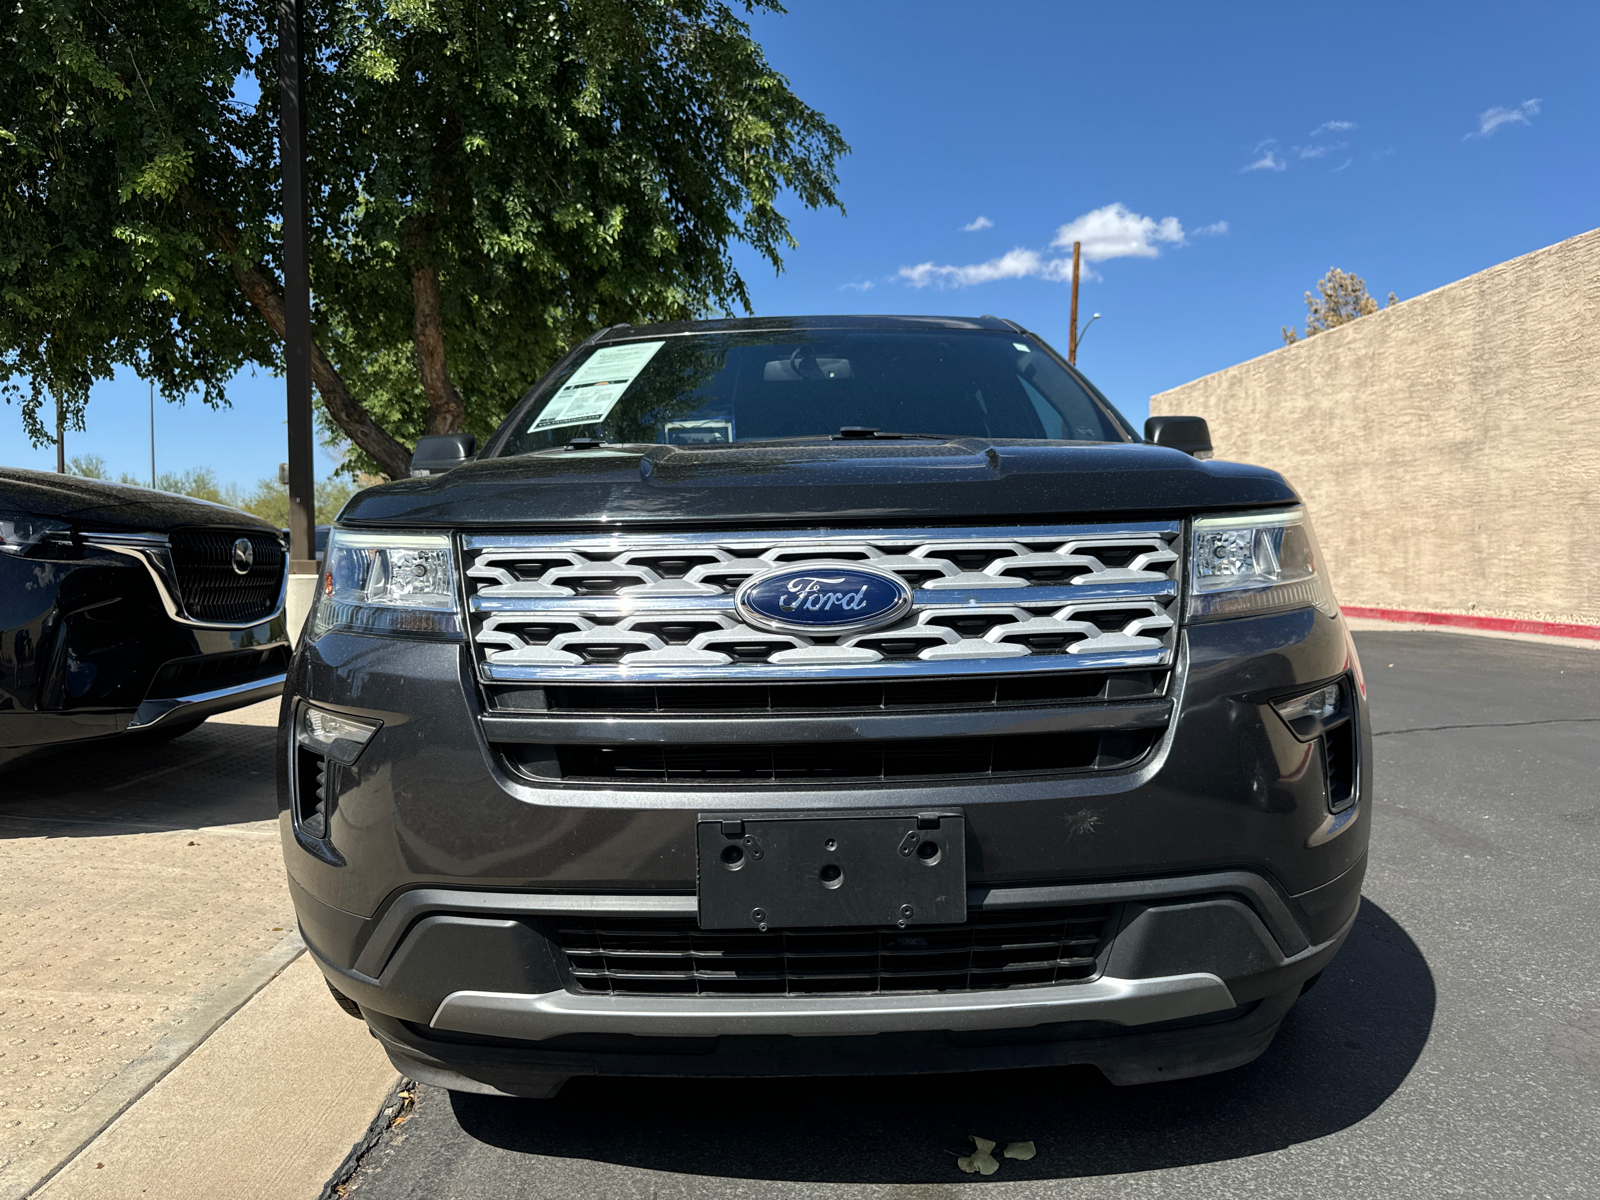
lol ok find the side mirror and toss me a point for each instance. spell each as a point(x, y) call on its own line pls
point(1190, 434)
point(441, 452)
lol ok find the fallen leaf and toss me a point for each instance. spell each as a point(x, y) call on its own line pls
point(97, 1166)
point(980, 1161)
point(1018, 1150)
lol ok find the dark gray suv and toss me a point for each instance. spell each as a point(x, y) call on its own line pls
point(819, 696)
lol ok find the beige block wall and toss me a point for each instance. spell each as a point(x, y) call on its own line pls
point(1448, 447)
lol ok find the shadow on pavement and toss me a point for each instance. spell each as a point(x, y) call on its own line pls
point(220, 774)
point(1342, 1051)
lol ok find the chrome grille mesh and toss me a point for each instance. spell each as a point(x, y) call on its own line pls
point(661, 606)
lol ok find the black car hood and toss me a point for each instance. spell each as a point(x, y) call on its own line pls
point(92, 504)
point(956, 479)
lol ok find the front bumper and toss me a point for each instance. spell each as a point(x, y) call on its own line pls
point(429, 900)
point(197, 706)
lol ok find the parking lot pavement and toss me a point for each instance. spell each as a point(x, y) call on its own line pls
point(1453, 1048)
point(144, 899)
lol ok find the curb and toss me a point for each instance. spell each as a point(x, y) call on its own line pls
point(1466, 621)
point(400, 1098)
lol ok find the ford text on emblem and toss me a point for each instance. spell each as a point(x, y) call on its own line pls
point(823, 598)
point(244, 556)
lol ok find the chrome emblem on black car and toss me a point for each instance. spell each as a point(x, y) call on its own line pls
point(244, 556)
point(823, 598)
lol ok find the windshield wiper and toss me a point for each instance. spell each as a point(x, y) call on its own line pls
point(870, 433)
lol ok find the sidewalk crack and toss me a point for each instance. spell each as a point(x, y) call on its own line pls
point(1490, 725)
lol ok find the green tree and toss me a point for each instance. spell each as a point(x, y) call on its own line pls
point(1341, 298)
point(269, 500)
point(88, 466)
point(489, 184)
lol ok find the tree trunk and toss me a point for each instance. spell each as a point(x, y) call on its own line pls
point(446, 410)
point(262, 290)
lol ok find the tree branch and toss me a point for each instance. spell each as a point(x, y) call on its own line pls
point(261, 289)
point(446, 410)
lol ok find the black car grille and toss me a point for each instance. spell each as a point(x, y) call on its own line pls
point(212, 590)
point(784, 762)
point(993, 950)
point(208, 672)
point(976, 692)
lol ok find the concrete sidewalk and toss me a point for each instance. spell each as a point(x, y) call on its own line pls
point(267, 1107)
point(143, 885)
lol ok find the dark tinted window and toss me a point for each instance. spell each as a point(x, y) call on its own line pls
point(713, 388)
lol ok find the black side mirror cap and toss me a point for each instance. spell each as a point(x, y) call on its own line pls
point(1190, 434)
point(441, 452)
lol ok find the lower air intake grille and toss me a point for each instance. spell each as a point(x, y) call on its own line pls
point(673, 956)
point(757, 763)
point(212, 589)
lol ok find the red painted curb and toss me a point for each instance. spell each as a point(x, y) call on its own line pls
point(1589, 633)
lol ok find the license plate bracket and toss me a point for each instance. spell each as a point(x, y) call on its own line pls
point(815, 870)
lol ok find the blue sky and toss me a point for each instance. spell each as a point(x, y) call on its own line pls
point(1216, 160)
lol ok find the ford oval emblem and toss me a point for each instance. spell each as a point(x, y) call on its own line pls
point(823, 598)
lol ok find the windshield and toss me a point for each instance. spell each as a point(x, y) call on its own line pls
point(715, 388)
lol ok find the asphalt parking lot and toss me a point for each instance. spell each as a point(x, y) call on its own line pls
point(1452, 1049)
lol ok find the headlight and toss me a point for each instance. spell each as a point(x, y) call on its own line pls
point(21, 532)
point(1263, 562)
point(399, 584)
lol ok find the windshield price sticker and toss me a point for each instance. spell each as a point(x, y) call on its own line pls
point(594, 389)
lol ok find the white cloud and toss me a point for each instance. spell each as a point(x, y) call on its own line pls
point(1493, 118)
point(977, 224)
point(1215, 229)
point(1116, 232)
point(1320, 151)
point(1014, 264)
point(1267, 162)
point(1110, 232)
point(1333, 127)
point(865, 285)
point(1341, 166)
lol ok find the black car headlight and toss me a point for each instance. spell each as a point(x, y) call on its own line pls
point(24, 533)
point(1255, 563)
point(400, 584)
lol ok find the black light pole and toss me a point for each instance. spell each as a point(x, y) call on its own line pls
point(296, 285)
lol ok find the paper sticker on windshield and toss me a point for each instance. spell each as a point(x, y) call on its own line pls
point(594, 389)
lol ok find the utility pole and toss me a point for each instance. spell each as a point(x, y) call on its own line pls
point(152, 435)
point(296, 285)
point(1072, 329)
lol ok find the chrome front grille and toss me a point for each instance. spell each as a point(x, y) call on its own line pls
point(660, 606)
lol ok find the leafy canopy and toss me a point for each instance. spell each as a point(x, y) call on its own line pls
point(489, 183)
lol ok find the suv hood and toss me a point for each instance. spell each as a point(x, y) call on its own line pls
point(813, 480)
point(96, 504)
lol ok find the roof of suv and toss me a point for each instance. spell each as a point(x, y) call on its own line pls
point(618, 333)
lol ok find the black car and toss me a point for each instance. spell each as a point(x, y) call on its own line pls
point(820, 696)
point(130, 611)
